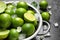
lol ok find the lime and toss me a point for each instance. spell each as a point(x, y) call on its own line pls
point(10, 7)
point(35, 23)
point(22, 5)
point(29, 17)
point(34, 4)
point(20, 12)
point(4, 34)
point(9, 11)
point(45, 16)
point(30, 11)
point(28, 29)
point(13, 35)
point(43, 4)
point(17, 22)
point(5, 21)
point(2, 6)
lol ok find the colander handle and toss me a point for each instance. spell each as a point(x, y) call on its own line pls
point(42, 32)
point(42, 36)
point(47, 28)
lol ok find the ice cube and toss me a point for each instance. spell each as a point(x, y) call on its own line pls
point(22, 36)
point(56, 24)
point(36, 16)
point(49, 7)
point(48, 34)
point(19, 29)
point(45, 27)
point(50, 12)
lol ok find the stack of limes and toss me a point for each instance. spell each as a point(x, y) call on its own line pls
point(23, 18)
point(43, 5)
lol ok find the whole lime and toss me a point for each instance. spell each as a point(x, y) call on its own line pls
point(30, 11)
point(13, 35)
point(10, 7)
point(10, 11)
point(17, 22)
point(5, 20)
point(22, 5)
point(43, 4)
point(20, 12)
point(28, 29)
point(45, 16)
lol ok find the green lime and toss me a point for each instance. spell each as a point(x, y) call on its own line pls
point(13, 35)
point(10, 7)
point(2, 6)
point(17, 22)
point(30, 11)
point(43, 4)
point(4, 34)
point(22, 5)
point(34, 4)
point(5, 21)
point(35, 23)
point(9, 11)
point(29, 17)
point(20, 12)
point(28, 29)
point(45, 16)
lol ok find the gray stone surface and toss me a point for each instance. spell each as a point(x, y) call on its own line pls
point(55, 17)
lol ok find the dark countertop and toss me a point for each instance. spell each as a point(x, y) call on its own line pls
point(55, 17)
